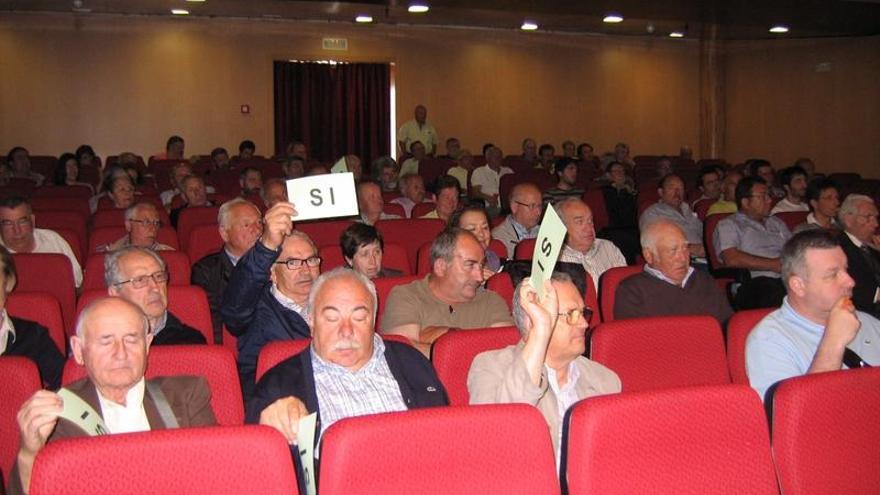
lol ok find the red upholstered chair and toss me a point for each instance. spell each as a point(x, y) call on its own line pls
point(52, 273)
point(709, 226)
point(191, 217)
point(383, 288)
point(498, 248)
point(394, 209)
point(324, 232)
point(662, 352)
point(78, 205)
point(440, 450)
point(608, 287)
point(825, 432)
point(52, 191)
point(687, 441)
point(738, 329)
point(331, 257)
point(177, 263)
point(501, 284)
point(161, 170)
point(105, 235)
point(453, 353)
point(410, 234)
point(595, 199)
point(792, 218)
point(73, 240)
point(221, 461)
point(701, 208)
point(524, 249)
point(20, 380)
point(274, 352)
point(203, 240)
point(70, 220)
point(214, 363)
point(422, 209)
point(40, 307)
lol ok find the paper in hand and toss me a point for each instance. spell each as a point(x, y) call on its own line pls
point(323, 196)
point(548, 244)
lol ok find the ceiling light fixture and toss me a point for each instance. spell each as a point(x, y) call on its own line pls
point(529, 26)
point(613, 18)
point(363, 18)
point(779, 29)
point(179, 12)
point(676, 34)
point(418, 8)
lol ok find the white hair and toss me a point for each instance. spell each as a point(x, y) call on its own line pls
point(344, 272)
point(223, 215)
point(850, 205)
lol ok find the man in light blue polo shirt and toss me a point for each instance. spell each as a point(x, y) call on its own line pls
point(817, 328)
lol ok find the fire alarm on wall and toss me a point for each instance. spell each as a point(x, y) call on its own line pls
point(245, 109)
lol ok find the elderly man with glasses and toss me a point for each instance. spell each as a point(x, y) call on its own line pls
point(522, 223)
point(266, 298)
point(546, 368)
point(139, 276)
point(142, 224)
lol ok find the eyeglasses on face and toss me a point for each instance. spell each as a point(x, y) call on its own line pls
point(21, 223)
point(148, 223)
point(531, 206)
point(573, 316)
point(144, 280)
point(296, 263)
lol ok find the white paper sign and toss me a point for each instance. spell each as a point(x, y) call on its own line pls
point(305, 441)
point(340, 167)
point(547, 247)
point(323, 196)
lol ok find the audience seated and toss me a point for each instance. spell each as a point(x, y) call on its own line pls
point(194, 193)
point(453, 149)
point(672, 207)
point(19, 161)
point(764, 170)
point(566, 171)
point(240, 226)
point(622, 206)
point(475, 220)
point(669, 285)
point(26, 338)
point(266, 298)
point(709, 185)
point(274, 191)
point(385, 173)
point(464, 164)
point(727, 201)
point(818, 328)
point(219, 160)
point(412, 188)
point(120, 191)
point(140, 276)
point(824, 200)
point(67, 172)
point(362, 247)
point(753, 240)
point(370, 203)
point(529, 151)
point(418, 129)
point(246, 150)
point(446, 194)
point(250, 180)
point(449, 297)
point(794, 182)
point(581, 245)
point(546, 368)
point(115, 392)
point(176, 175)
point(142, 224)
point(345, 359)
point(522, 223)
point(174, 149)
point(486, 180)
point(411, 164)
point(861, 244)
point(546, 158)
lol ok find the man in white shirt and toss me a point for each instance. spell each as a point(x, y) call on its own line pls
point(794, 181)
point(486, 180)
point(581, 245)
point(19, 235)
point(418, 130)
point(411, 165)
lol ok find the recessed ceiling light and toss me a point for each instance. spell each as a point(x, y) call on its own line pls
point(418, 8)
point(529, 26)
point(676, 34)
point(363, 18)
point(613, 18)
point(779, 28)
point(179, 12)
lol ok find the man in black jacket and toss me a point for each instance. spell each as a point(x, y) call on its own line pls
point(348, 370)
point(860, 242)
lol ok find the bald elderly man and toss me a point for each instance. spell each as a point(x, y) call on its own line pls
point(112, 341)
point(522, 223)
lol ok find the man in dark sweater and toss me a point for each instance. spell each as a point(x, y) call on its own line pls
point(669, 285)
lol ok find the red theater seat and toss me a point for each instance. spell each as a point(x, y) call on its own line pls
point(203, 240)
point(177, 263)
point(41, 307)
point(394, 209)
point(105, 235)
point(20, 380)
point(324, 232)
point(191, 217)
point(410, 234)
point(792, 218)
point(453, 353)
point(51, 273)
point(72, 221)
point(383, 288)
point(422, 209)
point(608, 284)
point(116, 218)
point(738, 329)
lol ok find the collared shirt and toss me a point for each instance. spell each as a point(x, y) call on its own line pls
point(785, 205)
point(488, 179)
point(161, 324)
point(751, 237)
point(684, 217)
point(7, 331)
point(232, 259)
point(566, 396)
point(407, 204)
point(784, 343)
point(128, 418)
point(290, 303)
point(859, 245)
point(409, 166)
point(521, 231)
point(49, 241)
point(658, 274)
point(344, 394)
point(411, 132)
point(600, 257)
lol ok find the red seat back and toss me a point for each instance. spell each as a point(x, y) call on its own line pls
point(394, 209)
point(324, 232)
point(40, 307)
point(105, 235)
point(214, 363)
point(410, 234)
point(176, 262)
point(825, 432)
point(687, 441)
point(52, 273)
point(73, 240)
point(21, 380)
point(524, 249)
point(383, 288)
point(608, 286)
point(203, 240)
point(422, 209)
point(595, 199)
point(502, 285)
point(738, 329)
point(67, 191)
point(662, 352)
point(71, 220)
point(792, 218)
point(77, 205)
point(222, 461)
point(709, 226)
point(191, 217)
point(478, 449)
point(453, 353)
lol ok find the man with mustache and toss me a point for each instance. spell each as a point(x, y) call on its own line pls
point(267, 295)
point(138, 275)
point(817, 328)
point(673, 208)
point(347, 370)
point(449, 297)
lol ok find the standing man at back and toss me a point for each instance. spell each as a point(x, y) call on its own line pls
point(418, 129)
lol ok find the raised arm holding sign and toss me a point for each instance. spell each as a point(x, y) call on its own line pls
point(547, 247)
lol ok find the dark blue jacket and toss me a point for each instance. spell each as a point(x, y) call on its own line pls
point(252, 313)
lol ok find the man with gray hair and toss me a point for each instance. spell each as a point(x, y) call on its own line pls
point(522, 223)
point(142, 224)
point(267, 295)
point(450, 297)
point(546, 368)
point(817, 328)
point(112, 341)
point(139, 276)
point(347, 370)
point(581, 245)
point(240, 225)
point(861, 244)
point(669, 285)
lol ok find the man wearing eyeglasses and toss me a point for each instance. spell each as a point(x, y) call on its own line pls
point(267, 295)
point(142, 224)
point(139, 276)
point(19, 235)
point(522, 223)
point(546, 368)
